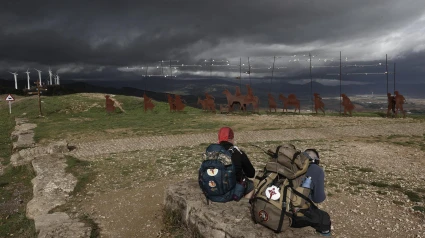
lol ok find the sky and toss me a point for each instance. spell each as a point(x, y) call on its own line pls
point(98, 40)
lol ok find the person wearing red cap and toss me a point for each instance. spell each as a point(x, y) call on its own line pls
point(240, 160)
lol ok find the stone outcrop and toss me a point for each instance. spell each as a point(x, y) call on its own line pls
point(23, 134)
point(51, 188)
point(232, 219)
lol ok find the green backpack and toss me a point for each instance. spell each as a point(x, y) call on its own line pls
point(278, 193)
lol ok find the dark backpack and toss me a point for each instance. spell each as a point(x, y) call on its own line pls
point(217, 177)
point(278, 193)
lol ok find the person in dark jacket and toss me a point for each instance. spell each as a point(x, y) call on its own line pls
point(240, 160)
point(316, 218)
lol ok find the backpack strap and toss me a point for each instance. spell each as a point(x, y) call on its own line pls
point(234, 147)
point(282, 214)
point(304, 197)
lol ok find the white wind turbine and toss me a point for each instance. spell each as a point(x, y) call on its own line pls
point(28, 78)
point(16, 80)
point(57, 79)
point(39, 77)
point(50, 75)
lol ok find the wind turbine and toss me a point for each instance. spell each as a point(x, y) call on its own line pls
point(57, 79)
point(16, 80)
point(50, 75)
point(39, 77)
point(28, 78)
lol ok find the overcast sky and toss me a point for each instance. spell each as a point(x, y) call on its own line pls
point(96, 39)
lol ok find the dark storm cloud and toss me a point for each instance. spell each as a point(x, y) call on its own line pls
point(119, 33)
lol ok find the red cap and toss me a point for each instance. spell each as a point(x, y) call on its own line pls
point(225, 134)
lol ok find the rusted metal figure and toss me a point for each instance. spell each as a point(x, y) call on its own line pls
point(291, 100)
point(109, 104)
point(171, 102)
point(147, 103)
point(391, 105)
point(347, 104)
point(233, 99)
point(272, 102)
point(250, 98)
point(178, 102)
point(207, 104)
point(203, 103)
point(318, 103)
point(399, 101)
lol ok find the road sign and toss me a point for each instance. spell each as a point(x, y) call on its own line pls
point(9, 98)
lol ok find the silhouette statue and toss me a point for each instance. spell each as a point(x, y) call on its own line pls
point(203, 104)
point(171, 103)
point(233, 99)
point(147, 103)
point(318, 103)
point(272, 102)
point(109, 104)
point(178, 102)
point(290, 101)
point(238, 91)
point(250, 98)
point(347, 104)
point(210, 102)
point(391, 104)
point(399, 101)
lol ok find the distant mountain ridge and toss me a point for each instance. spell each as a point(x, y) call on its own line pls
point(193, 88)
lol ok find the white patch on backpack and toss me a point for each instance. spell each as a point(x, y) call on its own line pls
point(273, 193)
point(212, 184)
point(212, 172)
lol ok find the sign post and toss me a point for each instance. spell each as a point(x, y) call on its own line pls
point(9, 98)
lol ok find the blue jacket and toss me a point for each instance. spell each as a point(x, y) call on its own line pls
point(317, 175)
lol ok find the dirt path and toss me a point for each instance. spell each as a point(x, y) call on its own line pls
point(97, 148)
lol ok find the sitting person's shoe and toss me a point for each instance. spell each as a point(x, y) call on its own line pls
point(326, 233)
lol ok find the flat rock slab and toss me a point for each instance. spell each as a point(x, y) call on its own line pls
point(51, 185)
point(59, 224)
point(23, 134)
point(51, 188)
point(232, 219)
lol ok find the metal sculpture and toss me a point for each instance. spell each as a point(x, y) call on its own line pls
point(391, 104)
point(318, 103)
point(203, 104)
point(251, 99)
point(272, 102)
point(291, 100)
point(233, 99)
point(147, 103)
point(178, 102)
point(399, 101)
point(171, 103)
point(238, 91)
point(109, 104)
point(210, 102)
point(347, 104)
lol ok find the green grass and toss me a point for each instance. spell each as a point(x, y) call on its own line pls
point(73, 115)
point(380, 184)
point(366, 170)
point(419, 208)
point(414, 197)
point(80, 169)
point(15, 193)
point(7, 123)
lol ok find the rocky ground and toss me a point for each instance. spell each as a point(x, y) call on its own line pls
point(374, 173)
